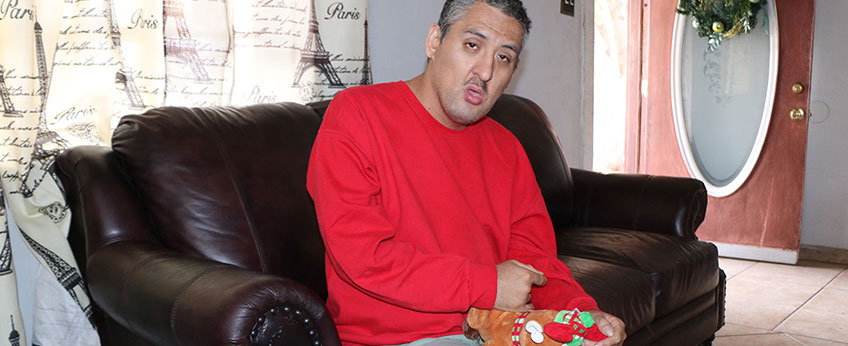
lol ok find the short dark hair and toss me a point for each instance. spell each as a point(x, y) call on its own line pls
point(454, 10)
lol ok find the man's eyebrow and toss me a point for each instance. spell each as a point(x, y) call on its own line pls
point(480, 34)
point(476, 32)
point(510, 47)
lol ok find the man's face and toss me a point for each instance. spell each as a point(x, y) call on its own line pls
point(474, 63)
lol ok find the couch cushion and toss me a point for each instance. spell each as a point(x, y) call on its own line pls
point(624, 292)
point(681, 269)
point(229, 184)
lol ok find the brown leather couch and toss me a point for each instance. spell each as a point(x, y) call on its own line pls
point(196, 228)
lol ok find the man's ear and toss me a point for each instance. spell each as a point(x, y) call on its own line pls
point(434, 39)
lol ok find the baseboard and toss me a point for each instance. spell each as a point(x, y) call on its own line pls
point(756, 253)
point(824, 254)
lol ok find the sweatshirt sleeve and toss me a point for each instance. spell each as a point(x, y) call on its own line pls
point(532, 241)
point(360, 240)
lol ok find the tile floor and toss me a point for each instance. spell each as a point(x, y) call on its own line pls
point(776, 305)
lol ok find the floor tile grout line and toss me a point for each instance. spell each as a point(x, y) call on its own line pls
point(753, 263)
point(844, 271)
point(819, 292)
point(814, 338)
point(749, 334)
point(795, 312)
point(794, 339)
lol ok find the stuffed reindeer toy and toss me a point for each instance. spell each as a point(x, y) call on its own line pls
point(529, 328)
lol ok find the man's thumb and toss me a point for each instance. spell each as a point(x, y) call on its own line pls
point(539, 280)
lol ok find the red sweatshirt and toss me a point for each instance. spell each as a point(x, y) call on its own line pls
point(415, 216)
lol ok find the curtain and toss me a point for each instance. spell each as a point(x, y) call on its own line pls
point(70, 69)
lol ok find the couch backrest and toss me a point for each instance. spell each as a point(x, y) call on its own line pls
point(530, 124)
point(229, 184)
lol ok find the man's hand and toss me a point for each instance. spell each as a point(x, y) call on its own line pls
point(611, 326)
point(515, 279)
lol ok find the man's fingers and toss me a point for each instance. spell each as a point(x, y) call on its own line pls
point(605, 326)
point(608, 330)
point(537, 277)
point(616, 323)
point(539, 280)
point(528, 267)
point(611, 326)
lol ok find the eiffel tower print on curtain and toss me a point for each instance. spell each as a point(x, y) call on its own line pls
point(6, 255)
point(41, 59)
point(68, 276)
point(8, 107)
point(183, 47)
point(14, 336)
point(48, 144)
point(366, 63)
point(314, 54)
point(6, 252)
point(124, 78)
point(44, 137)
point(45, 157)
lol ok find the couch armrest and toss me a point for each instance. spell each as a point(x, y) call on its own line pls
point(658, 204)
point(171, 299)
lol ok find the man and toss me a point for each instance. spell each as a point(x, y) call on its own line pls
point(427, 207)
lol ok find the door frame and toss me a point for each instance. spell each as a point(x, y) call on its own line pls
point(634, 83)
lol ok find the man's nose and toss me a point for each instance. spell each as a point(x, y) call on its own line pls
point(484, 67)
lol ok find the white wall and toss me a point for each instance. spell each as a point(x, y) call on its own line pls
point(825, 220)
point(550, 72)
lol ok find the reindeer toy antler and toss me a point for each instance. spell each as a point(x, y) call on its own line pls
point(536, 327)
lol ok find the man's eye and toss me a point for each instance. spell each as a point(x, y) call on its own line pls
point(471, 45)
point(504, 58)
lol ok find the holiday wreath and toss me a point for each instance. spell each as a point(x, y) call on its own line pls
point(721, 19)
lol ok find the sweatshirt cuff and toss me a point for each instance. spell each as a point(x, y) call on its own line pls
point(584, 303)
point(483, 285)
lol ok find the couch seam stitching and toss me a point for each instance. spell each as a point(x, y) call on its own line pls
point(179, 299)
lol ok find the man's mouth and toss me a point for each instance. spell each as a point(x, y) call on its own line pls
point(474, 94)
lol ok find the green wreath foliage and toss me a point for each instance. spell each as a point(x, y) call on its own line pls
point(721, 19)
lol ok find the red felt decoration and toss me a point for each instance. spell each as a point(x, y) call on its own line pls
point(559, 332)
point(565, 333)
point(595, 334)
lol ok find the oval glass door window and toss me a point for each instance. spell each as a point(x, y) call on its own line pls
point(723, 99)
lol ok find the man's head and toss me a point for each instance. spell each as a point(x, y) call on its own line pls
point(454, 10)
point(472, 54)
